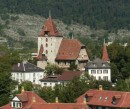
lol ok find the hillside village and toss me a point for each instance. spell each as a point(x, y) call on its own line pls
point(55, 49)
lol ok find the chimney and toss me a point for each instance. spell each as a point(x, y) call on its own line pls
point(33, 99)
point(56, 100)
point(100, 87)
point(22, 89)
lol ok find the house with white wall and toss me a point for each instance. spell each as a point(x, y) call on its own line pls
point(99, 69)
point(65, 77)
point(26, 71)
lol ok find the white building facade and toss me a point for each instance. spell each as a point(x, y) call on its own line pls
point(99, 69)
point(26, 71)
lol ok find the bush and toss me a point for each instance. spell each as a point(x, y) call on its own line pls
point(14, 18)
point(20, 32)
point(5, 17)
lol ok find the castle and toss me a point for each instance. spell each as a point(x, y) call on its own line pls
point(55, 49)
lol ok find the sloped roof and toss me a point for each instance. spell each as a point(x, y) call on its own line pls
point(59, 106)
point(104, 98)
point(26, 67)
point(49, 27)
point(40, 53)
point(105, 56)
point(69, 49)
point(65, 76)
point(27, 100)
point(97, 63)
point(69, 75)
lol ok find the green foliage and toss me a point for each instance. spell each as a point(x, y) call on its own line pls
point(14, 18)
point(53, 69)
point(6, 83)
point(73, 66)
point(47, 94)
point(108, 14)
point(21, 32)
point(5, 16)
point(28, 86)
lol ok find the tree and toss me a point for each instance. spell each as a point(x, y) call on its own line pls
point(53, 69)
point(7, 85)
point(70, 91)
point(73, 66)
point(28, 86)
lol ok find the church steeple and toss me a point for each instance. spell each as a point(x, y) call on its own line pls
point(105, 56)
point(49, 28)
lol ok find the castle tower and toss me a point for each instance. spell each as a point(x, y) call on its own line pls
point(50, 38)
point(105, 56)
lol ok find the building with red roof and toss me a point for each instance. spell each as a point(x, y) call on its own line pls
point(30, 100)
point(58, 50)
point(104, 99)
point(66, 76)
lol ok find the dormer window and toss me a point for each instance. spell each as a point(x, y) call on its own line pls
point(46, 32)
point(16, 104)
point(114, 100)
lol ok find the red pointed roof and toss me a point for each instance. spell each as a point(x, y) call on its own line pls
point(50, 28)
point(40, 53)
point(69, 49)
point(105, 56)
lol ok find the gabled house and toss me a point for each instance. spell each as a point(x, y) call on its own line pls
point(24, 100)
point(26, 71)
point(66, 76)
point(104, 99)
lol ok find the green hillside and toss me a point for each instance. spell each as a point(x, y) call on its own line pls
point(106, 14)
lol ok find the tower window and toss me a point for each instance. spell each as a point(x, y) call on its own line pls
point(46, 45)
point(46, 40)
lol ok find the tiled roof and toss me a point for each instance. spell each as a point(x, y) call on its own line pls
point(50, 28)
point(69, 75)
point(97, 64)
point(58, 106)
point(40, 53)
point(105, 56)
point(105, 98)
point(65, 76)
point(27, 100)
point(26, 67)
point(22, 97)
point(39, 103)
point(69, 49)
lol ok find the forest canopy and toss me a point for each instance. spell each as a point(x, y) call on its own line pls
point(107, 14)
